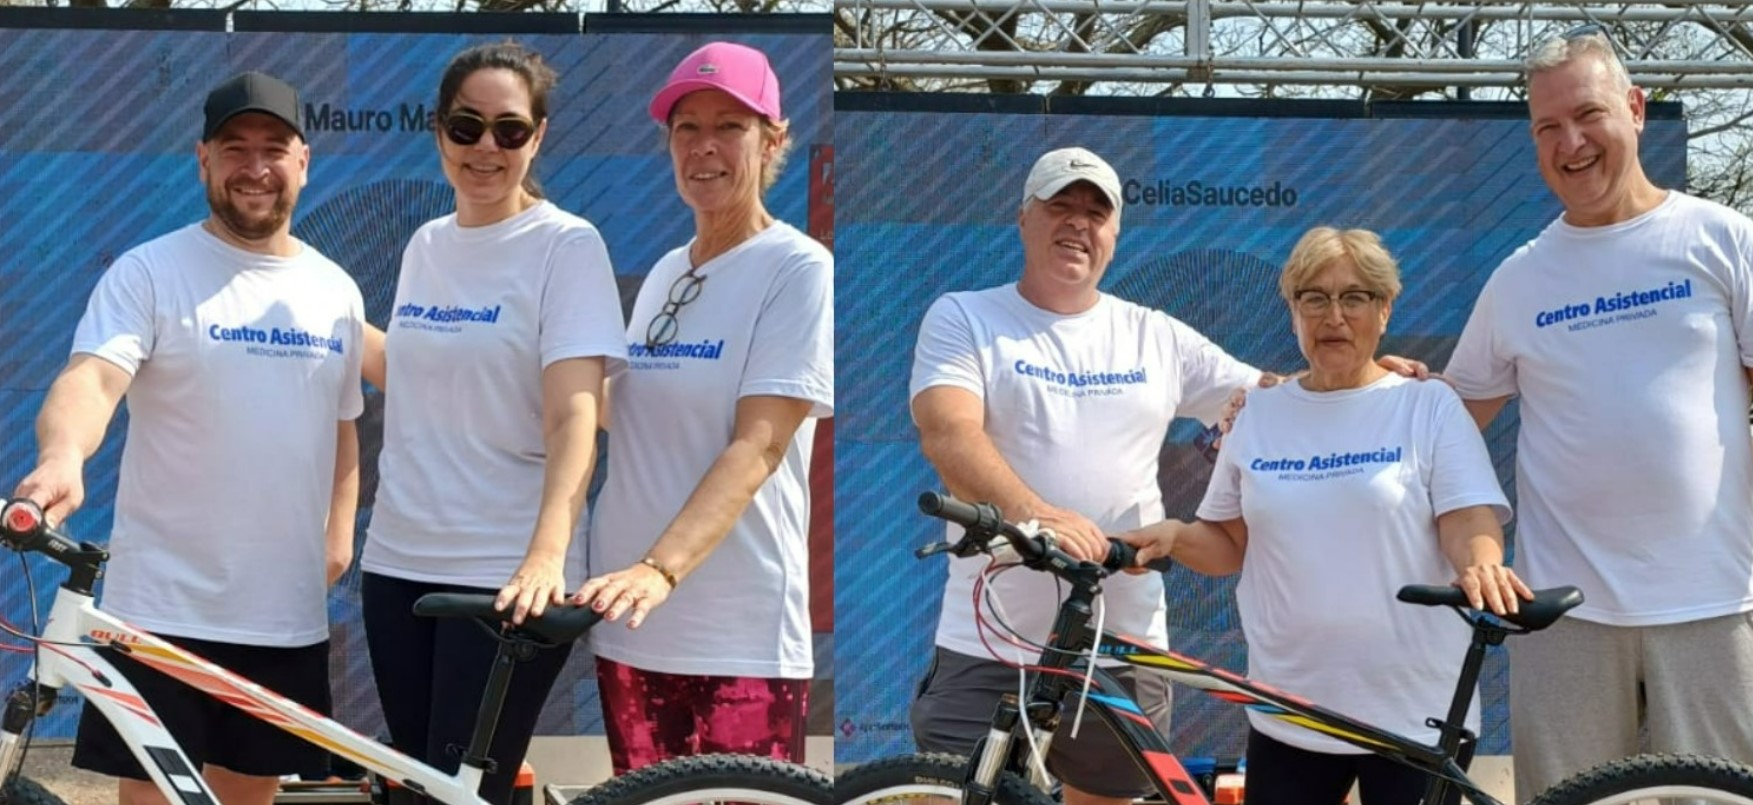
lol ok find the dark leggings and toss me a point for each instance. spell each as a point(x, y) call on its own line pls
point(1281, 774)
point(430, 674)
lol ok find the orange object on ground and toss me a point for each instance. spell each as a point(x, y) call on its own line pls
point(523, 788)
point(1231, 789)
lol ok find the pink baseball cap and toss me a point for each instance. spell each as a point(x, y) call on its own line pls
point(739, 70)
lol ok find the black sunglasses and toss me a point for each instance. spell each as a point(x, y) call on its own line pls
point(510, 132)
point(664, 327)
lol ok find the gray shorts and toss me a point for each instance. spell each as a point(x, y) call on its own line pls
point(953, 710)
point(1584, 693)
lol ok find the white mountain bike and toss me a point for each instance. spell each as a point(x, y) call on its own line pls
point(67, 653)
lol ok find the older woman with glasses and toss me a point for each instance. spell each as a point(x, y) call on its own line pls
point(1331, 492)
point(701, 533)
point(505, 325)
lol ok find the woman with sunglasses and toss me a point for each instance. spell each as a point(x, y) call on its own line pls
point(701, 532)
point(505, 324)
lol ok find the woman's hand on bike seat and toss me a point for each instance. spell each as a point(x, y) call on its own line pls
point(1493, 588)
point(557, 625)
point(633, 592)
point(539, 583)
point(1542, 610)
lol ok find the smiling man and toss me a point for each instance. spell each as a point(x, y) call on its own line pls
point(1625, 328)
point(237, 347)
point(1052, 400)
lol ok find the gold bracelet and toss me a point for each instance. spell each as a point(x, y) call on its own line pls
point(661, 570)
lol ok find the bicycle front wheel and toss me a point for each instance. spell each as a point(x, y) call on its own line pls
point(715, 778)
point(25, 791)
point(1656, 778)
point(933, 778)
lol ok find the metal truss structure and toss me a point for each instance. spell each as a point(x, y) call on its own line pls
point(1395, 49)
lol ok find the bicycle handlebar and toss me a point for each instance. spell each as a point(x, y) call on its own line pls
point(983, 521)
point(24, 528)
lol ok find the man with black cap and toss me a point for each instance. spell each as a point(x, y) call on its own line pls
point(237, 347)
point(1052, 399)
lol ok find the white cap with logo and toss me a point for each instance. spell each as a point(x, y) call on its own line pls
point(1057, 169)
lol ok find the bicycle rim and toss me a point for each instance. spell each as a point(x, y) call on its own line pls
point(924, 779)
point(759, 796)
point(1662, 794)
point(1656, 780)
point(715, 778)
point(906, 792)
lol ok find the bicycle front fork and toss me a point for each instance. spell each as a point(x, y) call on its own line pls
point(28, 701)
point(994, 753)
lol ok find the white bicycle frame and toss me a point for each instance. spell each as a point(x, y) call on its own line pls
point(68, 656)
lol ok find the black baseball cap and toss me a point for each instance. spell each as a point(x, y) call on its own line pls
point(252, 92)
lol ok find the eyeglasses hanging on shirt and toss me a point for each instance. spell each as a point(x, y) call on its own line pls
point(664, 326)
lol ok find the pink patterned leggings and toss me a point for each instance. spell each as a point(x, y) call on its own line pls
point(651, 716)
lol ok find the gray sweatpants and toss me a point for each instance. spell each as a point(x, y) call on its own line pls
point(1581, 691)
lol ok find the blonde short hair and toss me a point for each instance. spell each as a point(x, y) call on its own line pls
point(1322, 245)
point(775, 130)
point(1558, 51)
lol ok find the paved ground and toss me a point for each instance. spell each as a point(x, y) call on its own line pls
point(47, 763)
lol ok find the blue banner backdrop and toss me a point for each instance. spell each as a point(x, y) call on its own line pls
point(927, 204)
point(98, 156)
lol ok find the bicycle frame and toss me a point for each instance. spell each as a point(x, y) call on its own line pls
point(1073, 644)
point(68, 656)
point(1073, 636)
point(1154, 757)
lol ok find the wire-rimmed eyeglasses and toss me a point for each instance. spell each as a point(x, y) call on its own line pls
point(664, 327)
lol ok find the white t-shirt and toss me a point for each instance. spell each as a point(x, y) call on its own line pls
point(1634, 468)
point(1340, 492)
point(243, 365)
point(1079, 407)
point(480, 312)
point(763, 325)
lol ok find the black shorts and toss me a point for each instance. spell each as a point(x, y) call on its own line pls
point(1289, 775)
point(209, 730)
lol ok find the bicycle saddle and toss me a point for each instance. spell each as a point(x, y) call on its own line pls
point(558, 625)
point(1546, 608)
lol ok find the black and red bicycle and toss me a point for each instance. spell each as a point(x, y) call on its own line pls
point(1004, 768)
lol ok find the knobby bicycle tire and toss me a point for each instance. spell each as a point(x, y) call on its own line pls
point(1652, 777)
point(25, 791)
point(715, 778)
point(925, 777)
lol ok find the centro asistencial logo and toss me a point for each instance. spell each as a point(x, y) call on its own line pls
point(1319, 467)
point(445, 318)
point(277, 342)
point(1629, 305)
point(1082, 382)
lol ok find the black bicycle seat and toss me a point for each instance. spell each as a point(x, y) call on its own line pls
point(1546, 608)
point(558, 625)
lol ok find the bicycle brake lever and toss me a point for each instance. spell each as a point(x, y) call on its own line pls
point(933, 549)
